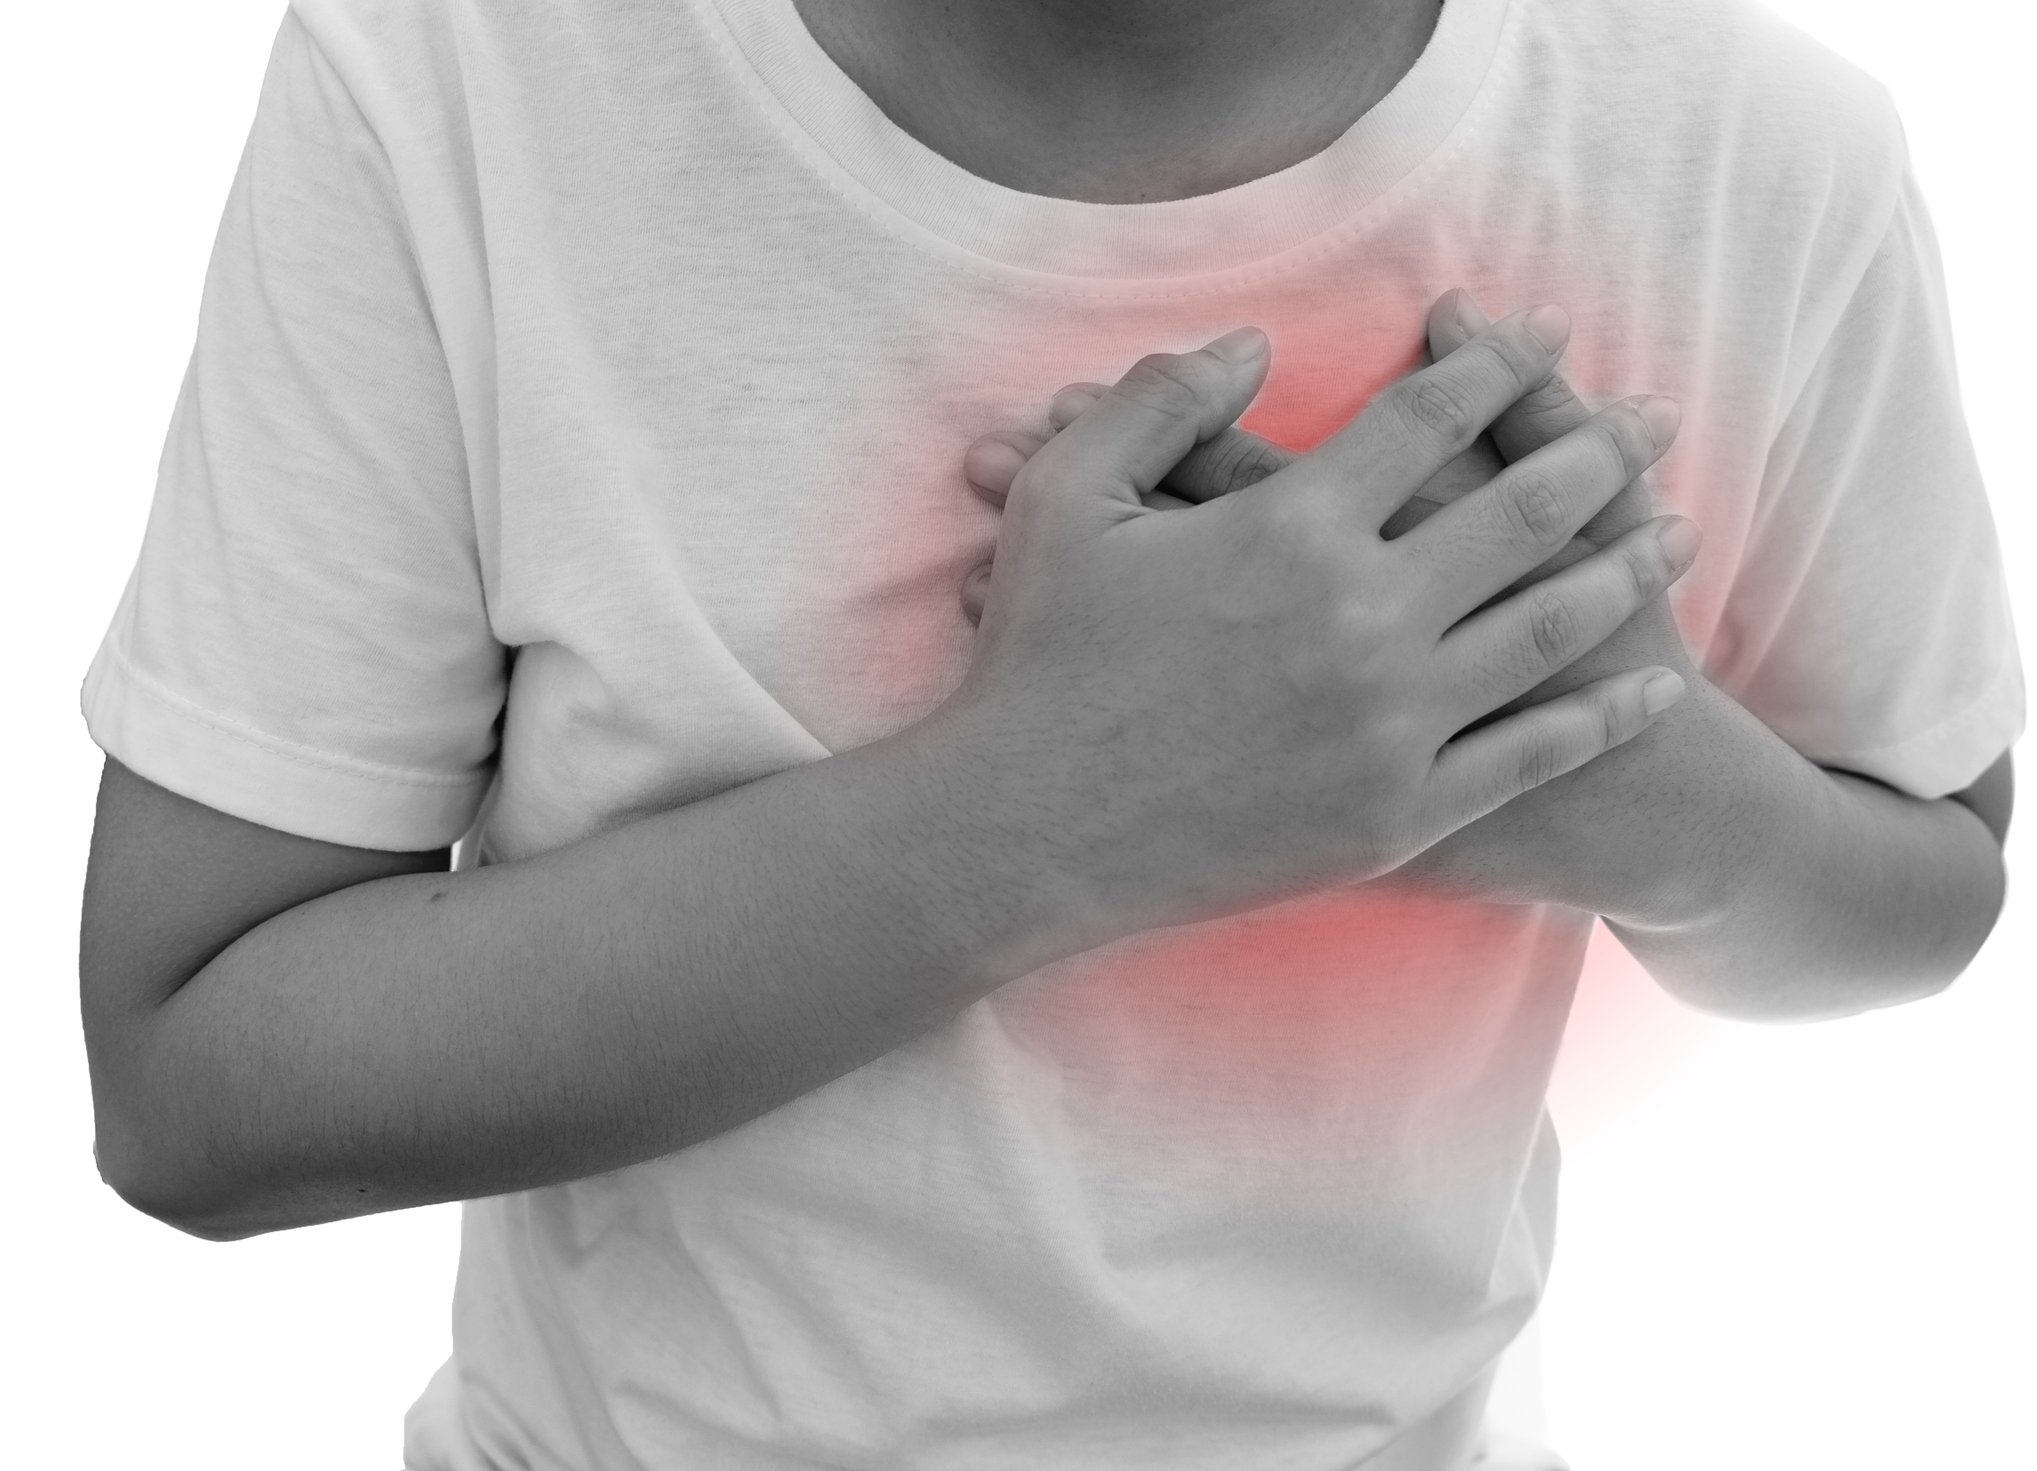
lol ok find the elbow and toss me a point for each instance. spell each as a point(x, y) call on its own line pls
point(171, 1212)
point(159, 1162)
point(190, 1225)
point(206, 1232)
point(216, 1209)
point(137, 1152)
point(145, 1178)
point(1972, 909)
point(143, 1194)
point(1846, 977)
point(1811, 993)
point(1965, 935)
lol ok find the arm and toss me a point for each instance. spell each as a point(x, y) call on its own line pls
point(1752, 883)
point(422, 1037)
point(1749, 881)
point(426, 1037)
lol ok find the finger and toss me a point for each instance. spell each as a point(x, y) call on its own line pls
point(1415, 427)
point(1509, 648)
point(1539, 417)
point(1129, 439)
point(976, 592)
point(1067, 406)
point(991, 463)
point(1494, 764)
point(1478, 544)
point(1228, 461)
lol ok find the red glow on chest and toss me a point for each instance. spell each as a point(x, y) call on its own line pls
point(1404, 999)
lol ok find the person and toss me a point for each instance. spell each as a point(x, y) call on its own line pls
point(1097, 1013)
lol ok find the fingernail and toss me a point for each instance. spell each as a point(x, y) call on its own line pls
point(1681, 539)
point(1659, 693)
point(992, 464)
point(1550, 326)
point(1663, 416)
point(1468, 316)
point(1245, 345)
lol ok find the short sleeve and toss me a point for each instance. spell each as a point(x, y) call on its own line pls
point(1870, 617)
point(303, 641)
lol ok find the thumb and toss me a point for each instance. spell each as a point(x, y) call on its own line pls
point(1125, 443)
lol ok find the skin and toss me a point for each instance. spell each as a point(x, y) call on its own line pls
point(1749, 880)
point(222, 1105)
point(1123, 101)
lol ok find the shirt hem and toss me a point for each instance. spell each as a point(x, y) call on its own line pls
point(259, 778)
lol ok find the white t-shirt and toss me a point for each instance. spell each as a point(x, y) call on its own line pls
point(576, 421)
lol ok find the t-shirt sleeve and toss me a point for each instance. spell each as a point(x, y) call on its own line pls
point(303, 641)
point(1870, 615)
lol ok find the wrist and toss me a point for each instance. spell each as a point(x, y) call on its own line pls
point(1708, 811)
point(995, 849)
point(1740, 811)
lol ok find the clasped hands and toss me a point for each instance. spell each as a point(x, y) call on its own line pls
point(1539, 846)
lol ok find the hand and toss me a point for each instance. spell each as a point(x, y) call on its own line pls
point(1514, 853)
point(1261, 695)
point(1233, 459)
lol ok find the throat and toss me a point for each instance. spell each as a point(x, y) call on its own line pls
point(1044, 98)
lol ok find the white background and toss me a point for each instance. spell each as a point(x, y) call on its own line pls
point(1782, 1249)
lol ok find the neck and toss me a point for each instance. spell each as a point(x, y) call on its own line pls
point(1123, 101)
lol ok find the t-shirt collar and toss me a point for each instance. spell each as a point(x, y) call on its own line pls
point(1230, 228)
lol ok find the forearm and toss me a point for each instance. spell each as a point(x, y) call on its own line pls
point(1809, 893)
point(440, 1037)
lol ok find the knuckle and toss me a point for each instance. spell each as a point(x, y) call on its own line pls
point(1534, 510)
point(1539, 759)
point(1363, 627)
point(1520, 358)
point(1629, 439)
point(1360, 642)
point(1553, 626)
point(1647, 568)
point(1401, 731)
point(1298, 526)
point(1612, 719)
point(1552, 408)
point(1241, 460)
point(1163, 382)
point(1438, 406)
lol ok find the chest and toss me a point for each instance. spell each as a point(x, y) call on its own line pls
point(728, 531)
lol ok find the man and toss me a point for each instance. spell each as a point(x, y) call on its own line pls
point(1110, 1036)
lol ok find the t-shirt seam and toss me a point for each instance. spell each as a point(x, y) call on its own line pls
point(187, 709)
point(844, 184)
